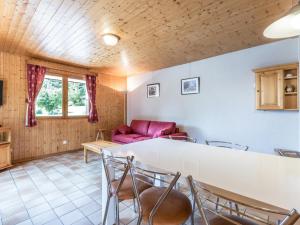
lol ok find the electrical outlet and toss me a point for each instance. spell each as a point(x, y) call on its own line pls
point(65, 142)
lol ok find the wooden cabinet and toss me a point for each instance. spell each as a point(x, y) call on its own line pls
point(277, 87)
point(5, 149)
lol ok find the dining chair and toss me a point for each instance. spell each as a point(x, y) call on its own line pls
point(183, 138)
point(160, 204)
point(287, 153)
point(248, 215)
point(120, 186)
point(226, 144)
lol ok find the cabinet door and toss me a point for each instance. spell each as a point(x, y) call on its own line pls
point(269, 90)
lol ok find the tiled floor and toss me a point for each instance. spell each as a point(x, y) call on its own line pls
point(59, 190)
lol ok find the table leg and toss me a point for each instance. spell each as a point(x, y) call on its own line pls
point(111, 214)
point(85, 154)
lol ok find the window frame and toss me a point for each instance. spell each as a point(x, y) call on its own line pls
point(64, 97)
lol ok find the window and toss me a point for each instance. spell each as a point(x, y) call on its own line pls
point(77, 98)
point(62, 97)
point(49, 100)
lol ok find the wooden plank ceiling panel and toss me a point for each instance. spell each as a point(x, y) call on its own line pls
point(154, 34)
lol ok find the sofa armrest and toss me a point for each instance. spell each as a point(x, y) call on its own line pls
point(115, 132)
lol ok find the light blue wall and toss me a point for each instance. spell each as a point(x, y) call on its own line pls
point(225, 107)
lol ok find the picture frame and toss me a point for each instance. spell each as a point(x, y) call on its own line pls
point(190, 86)
point(153, 90)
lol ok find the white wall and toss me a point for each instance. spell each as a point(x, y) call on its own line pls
point(225, 107)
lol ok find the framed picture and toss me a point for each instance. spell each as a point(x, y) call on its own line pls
point(190, 86)
point(153, 90)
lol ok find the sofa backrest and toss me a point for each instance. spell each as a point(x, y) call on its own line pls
point(156, 126)
point(140, 126)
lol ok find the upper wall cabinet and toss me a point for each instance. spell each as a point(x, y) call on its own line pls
point(277, 87)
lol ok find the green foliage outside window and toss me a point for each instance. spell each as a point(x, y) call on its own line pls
point(50, 98)
point(49, 101)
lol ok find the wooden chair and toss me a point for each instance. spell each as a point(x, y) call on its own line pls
point(287, 153)
point(226, 144)
point(121, 188)
point(248, 215)
point(160, 204)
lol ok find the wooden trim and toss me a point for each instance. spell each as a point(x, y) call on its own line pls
point(61, 68)
point(278, 67)
point(61, 117)
point(18, 162)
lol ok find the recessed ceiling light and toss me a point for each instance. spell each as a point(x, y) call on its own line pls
point(287, 26)
point(110, 39)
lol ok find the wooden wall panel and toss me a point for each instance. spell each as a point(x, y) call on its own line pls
point(47, 137)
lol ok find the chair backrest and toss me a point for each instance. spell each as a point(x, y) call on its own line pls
point(287, 153)
point(160, 179)
point(212, 203)
point(226, 144)
point(183, 138)
point(119, 166)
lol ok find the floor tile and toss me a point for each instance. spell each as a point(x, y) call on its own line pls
point(44, 218)
point(127, 215)
point(58, 202)
point(82, 201)
point(83, 221)
point(39, 209)
point(26, 222)
point(72, 217)
point(54, 222)
point(96, 218)
point(64, 209)
point(16, 218)
point(90, 208)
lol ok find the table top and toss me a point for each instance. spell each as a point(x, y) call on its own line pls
point(272, 179)
point(99, 144)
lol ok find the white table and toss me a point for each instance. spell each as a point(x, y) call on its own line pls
point(268, 178)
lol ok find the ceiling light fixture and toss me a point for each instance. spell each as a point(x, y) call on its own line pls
point(287, 26)
point(110, 39)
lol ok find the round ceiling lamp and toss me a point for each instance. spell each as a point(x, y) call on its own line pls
point(110, 39)
point(287, 26)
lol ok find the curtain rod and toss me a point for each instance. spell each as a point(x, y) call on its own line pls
point(55, 67)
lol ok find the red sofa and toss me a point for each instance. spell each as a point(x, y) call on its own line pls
point(140, 130)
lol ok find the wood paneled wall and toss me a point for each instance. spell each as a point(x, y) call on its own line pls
point(47, 137)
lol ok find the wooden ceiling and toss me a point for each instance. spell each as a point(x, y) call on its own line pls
point(154, 33)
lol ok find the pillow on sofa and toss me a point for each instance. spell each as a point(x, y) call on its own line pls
point(166, 131)
point(124, 129)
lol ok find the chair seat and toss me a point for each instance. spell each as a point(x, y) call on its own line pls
point(126, 191)
point(175, 209)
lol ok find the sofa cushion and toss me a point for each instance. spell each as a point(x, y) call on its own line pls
point(126, 138)
point(142, 138)
point(124, 129)
point(157, 128)
point(140, 126)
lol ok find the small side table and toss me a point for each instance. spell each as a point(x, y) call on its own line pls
point(100, 134)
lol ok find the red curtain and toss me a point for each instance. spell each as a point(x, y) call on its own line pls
point(91, 90)
point(35, 78)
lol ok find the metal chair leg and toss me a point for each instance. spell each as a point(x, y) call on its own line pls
point(134, 206)
point(117, 212)
point(139, 221)
point(237, 209)
point(217, 203)
point(230, 206)
point(106, 209)
point(193, 212)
